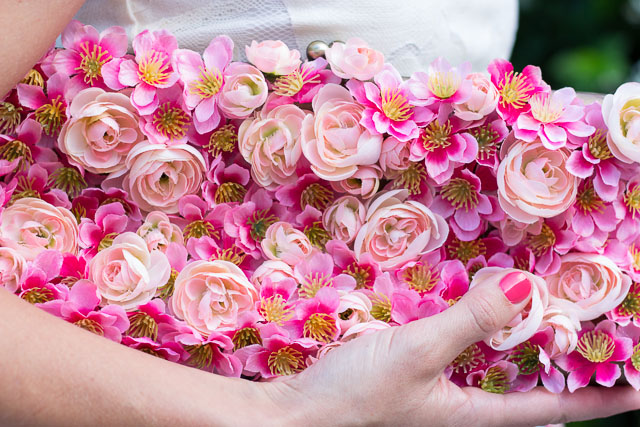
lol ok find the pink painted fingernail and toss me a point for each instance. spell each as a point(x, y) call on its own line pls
point(516, 287)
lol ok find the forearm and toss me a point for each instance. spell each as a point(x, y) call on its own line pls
point(29, 28)
point(54, 373)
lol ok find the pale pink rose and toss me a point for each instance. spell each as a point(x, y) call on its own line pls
point(160, 176)
point(344, 218)
point(360, 306)
point(621, 113)
point(285, 243)
point(587, 285)
point(31, 226)
point(513, 231)
point(354, 59)
point(101, 130)
point(12, 265)
point(127, 273)
point(395, 155)
point(158, 231)
point(533, 182)
point(334, 141)
point(527, 322)
point(270, 143)
point(397, 231)
point(275, 270)
point(565, 328)
point(273, 57)
point(244, 90)
point(364, 183)
point(484, 98)
point(211, 294)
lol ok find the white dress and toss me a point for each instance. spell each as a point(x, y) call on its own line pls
point(411, 33)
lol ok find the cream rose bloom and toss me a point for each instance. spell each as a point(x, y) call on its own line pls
point(273, 57)
point(533, 182)
point(621, 113)
point(101, 130)
point(587, 285)
point(275, 270)
point(30, 226)
point(397, 231)
point(127, 273)
point(483, 100)
point(159, 176)
point(528, 321)
point(334, 141)
point(270, 143)
point(285, 243)
point(354, 59)
point(211, 294)
point(244, 90)
point(344, 218)
point(158, 231)
point(12, 265)
point(565, 330)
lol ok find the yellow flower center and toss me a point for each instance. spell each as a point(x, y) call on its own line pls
point(312, 283)
point(171, 122)
point(421, 278)
point(381, 307)
point(93, 58)
point(223, 140)
point(33, 78)
point(411, 178)
point(541, 243)
point(166, 290)
point(630, 306)
point(154, 69)
point(544, 109)
point(17, 149)
point(275, 309)
point(464, 251)
point(90, 325)
point(635, 357)
point(229, 192)
point(436, 135)
point(632, 200)
point(106, 241)
point(596, 346)
point(598, 145)
point(527, 357)
point(142, 325)
point(51, 116)
point(468, 360)
point(207, 84)
point(259, 221)
point(201, 355)
point(68, 180)
point(233, 254)
point(396, 106)
point(460, 193)
point(286, 361)
point(316, 195)
point(514, 90)
point(199, 229)
point(317, 235)
point(361, 274)
point(9, 117)
point(320, 327)
point(244, 337)
point(495, 381)
point(487, 139)
point(443, 84)
point(37, 295)
point(587, 199)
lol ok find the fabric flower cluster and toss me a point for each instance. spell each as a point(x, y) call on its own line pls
point(248, 218)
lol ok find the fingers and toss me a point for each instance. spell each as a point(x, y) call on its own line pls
point(482, 311)
point(540, 407)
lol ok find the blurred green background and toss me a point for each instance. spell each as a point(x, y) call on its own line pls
point(590, 45)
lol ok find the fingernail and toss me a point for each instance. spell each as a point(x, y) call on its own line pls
point(516, 287)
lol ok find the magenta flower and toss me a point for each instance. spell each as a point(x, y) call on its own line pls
point(85, 52)
point(317, 318)
point(553, 240)
point(170, 123)
point(151, 321)
point(309, 189)
point(628, 204)
point(496, 378)
point(533, 361)
point(551, 117)
point(80, 309)
point(225, 184)
point(73, 269)
point(596, 157)
point(302, 84)
point(365, 271)
point(628, 312)
point(444, 144)
point(460, 198)
point(91, 199)
point(37, 285)
point(389, 105)
point(20, 151)
point(632, 364)
point(203, 77)
point(149, 71)
point(171, 351)
point(591, 212)
point(515, 88)
point(475, 358)
point(110, 220)
point(49, 110)
point(36, 182)
point(489, 136)
point(598, 349)
point(317, 272)
point(278, 355)
point(442, 83)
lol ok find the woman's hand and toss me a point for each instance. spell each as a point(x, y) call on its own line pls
point(395, 377)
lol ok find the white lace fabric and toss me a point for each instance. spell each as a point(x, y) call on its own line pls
point(410, 33)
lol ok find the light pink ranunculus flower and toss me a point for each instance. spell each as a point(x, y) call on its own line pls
point(621, 112)
point(587, 285)
point(565, 328)
point(364, 183)
point(159, 176)
point(354, 59)
point(527, 322)
point(533, 182)
point(285, 243)
point(334, 141)
point(395, 155)
point(127, 273)
point(270, 143)
point(12, 265)
point(273, 57)
point(513, 231)
point(158, 231)
point(344, 218)
point(484, 98)
point(211, 294)
point(275, 270)
point(31, 226)
point(101, 130)
point(244, 90)
point(397, 231)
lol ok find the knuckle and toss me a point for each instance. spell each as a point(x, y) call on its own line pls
point(486, 315)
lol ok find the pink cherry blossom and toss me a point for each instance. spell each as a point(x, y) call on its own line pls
point(441, 83)
point(110, 220)
point(49, 110)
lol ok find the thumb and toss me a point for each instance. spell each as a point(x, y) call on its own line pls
point(496, 296)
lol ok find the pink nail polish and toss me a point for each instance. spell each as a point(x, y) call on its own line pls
point(516, 287)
